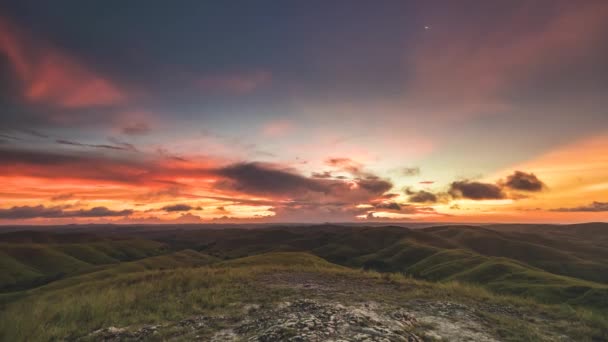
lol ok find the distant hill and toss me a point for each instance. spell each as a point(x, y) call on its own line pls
point(551, 263)
point(32, 258)
point(280, 296)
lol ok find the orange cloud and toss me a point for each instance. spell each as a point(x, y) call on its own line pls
point(121, 180)
point(51, 76)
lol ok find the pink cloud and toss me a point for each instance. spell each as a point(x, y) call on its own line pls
point(51, 76)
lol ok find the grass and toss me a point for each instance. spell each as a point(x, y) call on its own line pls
point(73, 307)
point(66, 285)
point(136, 293)
point(28, 264)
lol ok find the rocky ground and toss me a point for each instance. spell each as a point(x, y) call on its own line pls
point(323, 309)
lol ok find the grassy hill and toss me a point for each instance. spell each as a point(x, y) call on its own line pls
point(28, 261)
point(145, 296)
point(541, 265)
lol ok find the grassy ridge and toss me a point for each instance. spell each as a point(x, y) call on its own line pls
point(554, 267)
point(502, 275)
point(578, 251)
point(26, 264)
point(550, 265)
point(137, 293)
point(142, 291)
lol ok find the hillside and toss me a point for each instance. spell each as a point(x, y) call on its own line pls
point(276, 297)
point(489, 283)
point(29, 259)
point(551, 264)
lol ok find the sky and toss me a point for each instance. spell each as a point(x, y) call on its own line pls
point(315, 111)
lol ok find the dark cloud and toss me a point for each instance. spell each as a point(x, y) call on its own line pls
point(375, 186)
point(257, 178)
point(475, 190)
point(523, 181)
point(421, 196)
point(77, 164)
point(10, 156)
point(109, 147)
point(266, 179)
point(593, 207)
point(177, 207)
point(322, 175)
point(279, 186)
point(9, 137)
point(410, 171)
point(167, 154)
point(123, 144)
point(40, 211)
point(389, 205)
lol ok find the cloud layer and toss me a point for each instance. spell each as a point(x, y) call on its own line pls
point(40, 211)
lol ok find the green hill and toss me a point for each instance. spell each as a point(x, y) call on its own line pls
point(27, 264)
point(188, 295)
point(548, 263)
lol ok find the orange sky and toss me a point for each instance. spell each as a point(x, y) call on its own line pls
point(452, 112)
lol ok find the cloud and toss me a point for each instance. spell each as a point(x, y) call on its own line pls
point(51, 76)
point(322, 175)
point(375, 186)
point(123, 144)
point(421, 196)
point(519, 181)
point(124, 147)
point(593, 207)
point(264, 179)
point(177, 207)
point(89, 165)
point(40, 211)
point(149, 177)
point(410, 171)
point(475, 190)
point(345, 164)
point(35, 133)
point(523, 181)
point(10, 137)
point(389, 205)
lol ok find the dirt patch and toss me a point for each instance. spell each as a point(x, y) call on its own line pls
point(329, 308)
point(309, 320)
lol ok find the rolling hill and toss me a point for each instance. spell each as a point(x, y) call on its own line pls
point(28, 259)
point(158, 271)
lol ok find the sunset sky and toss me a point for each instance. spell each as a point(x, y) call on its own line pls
point(303, 111)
